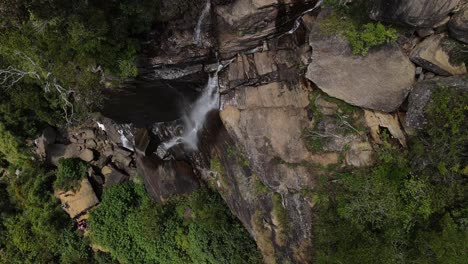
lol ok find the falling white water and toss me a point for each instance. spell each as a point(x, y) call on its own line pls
point(196, 118)
point(126, 143)
point(298, 20)
point(206, 10)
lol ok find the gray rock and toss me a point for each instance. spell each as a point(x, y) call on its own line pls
point(430, 55)
point(416, 13)
point(122, 160)
point(458, 25)
point(48, 137)
point(113, 178)
point(424, 32)
point(421, 95)
point(380, 80)
point(57, 151)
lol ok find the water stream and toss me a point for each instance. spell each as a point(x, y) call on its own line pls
point(198, 29)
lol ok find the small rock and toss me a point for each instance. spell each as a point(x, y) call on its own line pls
point(121, 159)
point(106, 170)
point(421, 77)
point(91, 143)
point(419, 70)
point(424, 32)
point(87, 155)
point(429, 75)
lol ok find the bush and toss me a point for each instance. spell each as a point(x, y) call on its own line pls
point(370, 35)
point(70, 172)
point(352, 23)
point(411, 206)
point(194, 229)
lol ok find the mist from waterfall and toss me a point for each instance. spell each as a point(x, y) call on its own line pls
point(195, 119)
point(206, 10)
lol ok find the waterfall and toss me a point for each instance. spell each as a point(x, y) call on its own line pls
point(206, 10)
point(195, 119)
point(298, 20)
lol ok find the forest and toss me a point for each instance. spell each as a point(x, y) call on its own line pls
point(57, 56)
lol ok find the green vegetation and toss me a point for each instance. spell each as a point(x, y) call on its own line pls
point(411, 206)
point(456, 50)
point(280, 212)
point(259, 187)
point(345, 116)
point(352, 22)
point(194, 229)
point(234, 152)
point(33, 227)
point(69, 174)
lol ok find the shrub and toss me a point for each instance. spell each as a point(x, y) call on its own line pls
point(69, 174)
point(370, 35)
point(352, 23)
point(194, 229)
point(407, 208)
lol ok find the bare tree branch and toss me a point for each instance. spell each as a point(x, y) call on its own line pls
point(11, 76)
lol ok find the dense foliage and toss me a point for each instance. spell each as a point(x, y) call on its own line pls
point(33, 227)
point(194, 229)
point(351, 21)
point(411, 207)
point(69, 174)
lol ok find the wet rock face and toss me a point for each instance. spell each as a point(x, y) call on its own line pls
point(412, 12)
point(421, 95)
point(164, 179)
point(380, 80)
point(431, 56)
point(458, 25)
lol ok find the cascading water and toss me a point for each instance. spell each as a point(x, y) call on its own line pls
point(195, 119)
point(206, 10)
point(298, 20)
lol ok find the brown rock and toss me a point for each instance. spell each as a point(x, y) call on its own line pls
point(87, 155)
point(430, 55)
point(106, 170)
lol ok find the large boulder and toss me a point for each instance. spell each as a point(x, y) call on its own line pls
point(421, 95)
point(458, 25)
point(416, 13)
point(75, 203)
point(431, 55)
point(380, 80)
point(55, 152)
